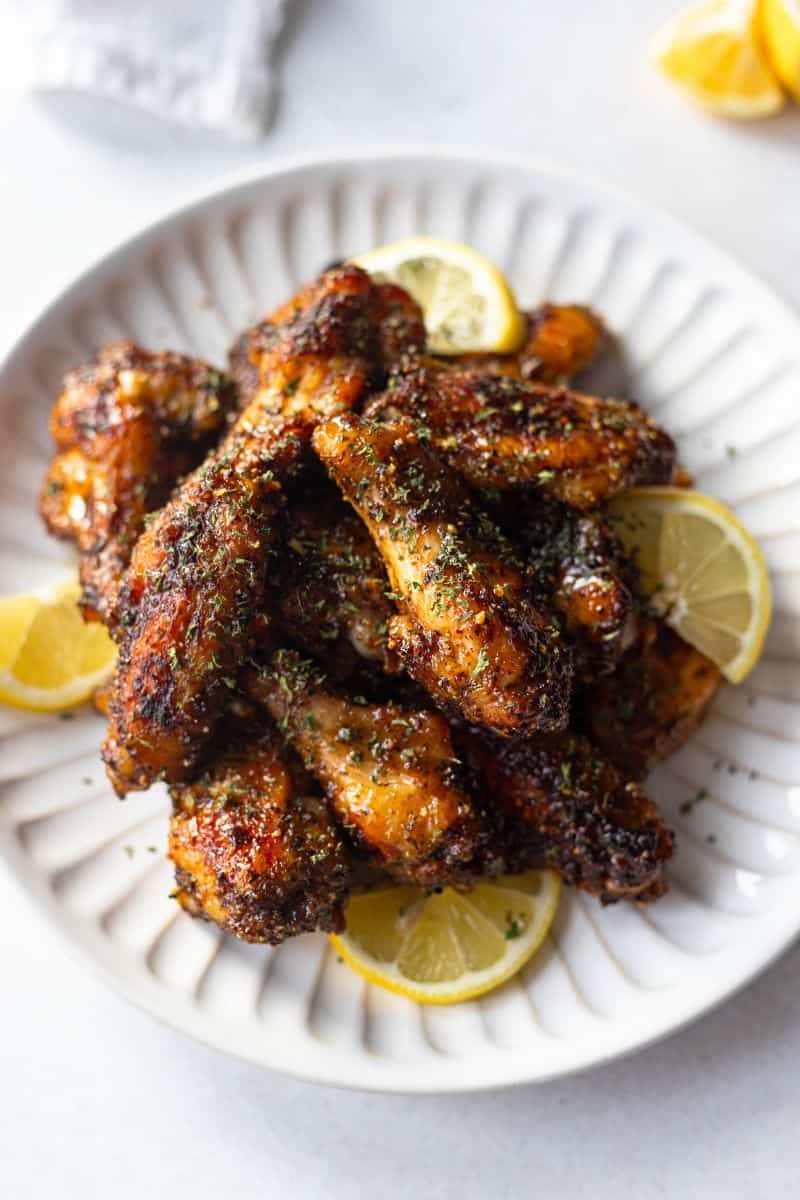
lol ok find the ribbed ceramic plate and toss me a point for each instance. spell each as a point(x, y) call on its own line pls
point(714, 356)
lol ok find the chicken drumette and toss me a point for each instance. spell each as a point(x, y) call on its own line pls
point(468, 629)
point(126, 427)
point(255, 850)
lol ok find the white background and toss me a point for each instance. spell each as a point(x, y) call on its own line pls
point(95, 1098)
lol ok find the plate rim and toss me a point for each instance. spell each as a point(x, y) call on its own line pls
point(504, 1072)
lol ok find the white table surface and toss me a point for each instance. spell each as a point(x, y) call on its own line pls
point(96, 1098)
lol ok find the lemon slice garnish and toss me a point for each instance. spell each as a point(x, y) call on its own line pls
point(467, 303)
point(450, 946)
point(703, 571)
point(713, 52)
point(779, 22)
point(51, 659)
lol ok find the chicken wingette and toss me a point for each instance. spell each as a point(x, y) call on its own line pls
point(255, 850)
point(502, 433)
point(558, 804)
point(652, 703)
point(390, 771)
point(468, 629)
point(193, 598)
point(126, 427)
point(331, 592)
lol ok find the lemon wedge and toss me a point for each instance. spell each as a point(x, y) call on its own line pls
point(467, 303)
point(704, 573)
point(50, 659)
point(712, 51)
point(780, 29)
point(449, 946)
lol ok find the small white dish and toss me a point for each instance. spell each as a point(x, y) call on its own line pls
point(713, 354)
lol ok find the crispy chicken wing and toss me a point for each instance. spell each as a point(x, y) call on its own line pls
point(390, 772)
point(193, 596)
point(126, 427)
point(560, 341)
point(578, 560)
point(332, 587)
point(558, 804)
point(499, 432)
point(392, 331)
point(652, 704)
point(255, 851)
point(468, 630)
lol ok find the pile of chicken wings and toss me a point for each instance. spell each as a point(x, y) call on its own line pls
point(373, 619)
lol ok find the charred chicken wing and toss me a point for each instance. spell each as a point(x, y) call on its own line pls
point(499, 432)
point(653, 702)
point(558, 804)
point(255, 851)
point(126, 427)
point(467, 630)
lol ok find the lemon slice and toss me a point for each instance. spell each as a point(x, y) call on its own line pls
point(703, 571)
point(712, 51)
point(49, 657)
point(467, 304)
point(780, 29)
point(449, 946)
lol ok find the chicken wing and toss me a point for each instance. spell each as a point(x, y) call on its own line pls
point(193, 597)
point(255, 851)
point(390, 772)
point(394, 319)
point(557, 804)
point(332, 587)
point(126, 427)
point(499, 432)
point(468, 630)
point(560, 341)
point(652, 703)
point(577, 559)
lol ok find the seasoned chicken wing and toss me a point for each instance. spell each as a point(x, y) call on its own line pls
point(558, 804)
point(468, 629)
point(126, 427)
point(390, 772)
point(577, 559)
point(560, 341)
point(390, 332)
point(193, 597)
point(652, 703)
point(332, 587)
point(499, 432)
point(255, 851)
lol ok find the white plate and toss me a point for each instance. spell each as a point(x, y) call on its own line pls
point(714, 355)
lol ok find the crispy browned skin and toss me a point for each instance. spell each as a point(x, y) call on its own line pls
point(578, 560)
point(393, 316)
point(390, 772)
point(652, 703)
point(193, 596)
point(468, 629)
point(331, 594)
point(500, 432)
point(560, 341)
point(126, 426)
point(254, 851)
point(558, 804)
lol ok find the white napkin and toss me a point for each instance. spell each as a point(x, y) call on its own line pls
point(201, 62)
